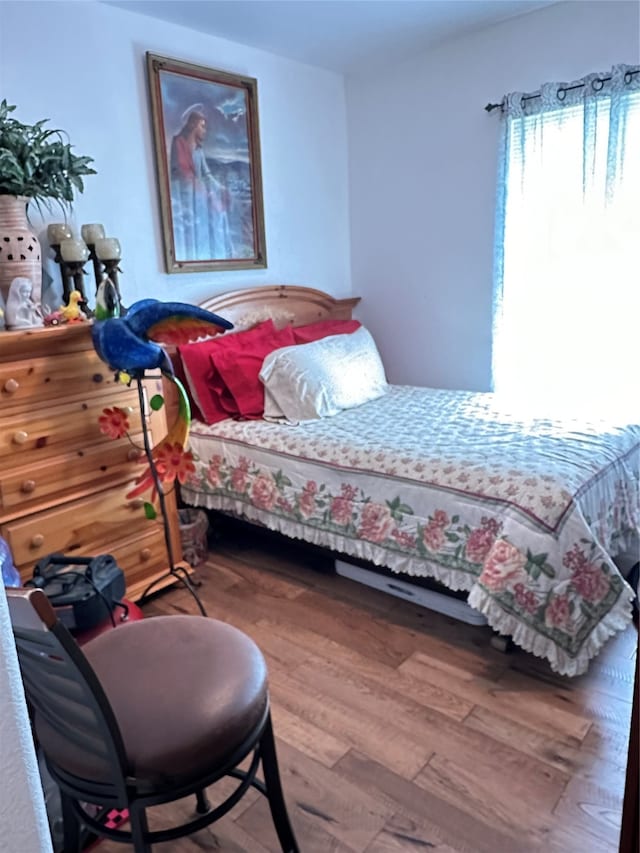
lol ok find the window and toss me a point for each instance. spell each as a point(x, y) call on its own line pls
point(567, 324)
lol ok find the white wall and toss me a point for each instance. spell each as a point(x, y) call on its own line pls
point(423, 161)
point(82, 65)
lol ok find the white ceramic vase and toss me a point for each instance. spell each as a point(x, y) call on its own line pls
point(20, 252)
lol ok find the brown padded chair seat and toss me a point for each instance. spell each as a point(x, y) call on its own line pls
point(186, 691)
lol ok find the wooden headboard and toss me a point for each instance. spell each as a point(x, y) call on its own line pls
point(285, 304)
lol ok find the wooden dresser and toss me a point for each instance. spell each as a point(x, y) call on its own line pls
point(62, 482)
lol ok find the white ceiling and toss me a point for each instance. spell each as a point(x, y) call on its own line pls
point(340, 35)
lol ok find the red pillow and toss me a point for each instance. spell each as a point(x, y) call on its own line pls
point(207, 387)
point(323, 328)
point(180, 373)
point(240, 366)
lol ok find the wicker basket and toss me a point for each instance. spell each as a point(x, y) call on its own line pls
point(193, 535)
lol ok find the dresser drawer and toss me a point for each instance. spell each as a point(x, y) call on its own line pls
point(64, 477)
point(91, 525)
point(30, 382)
point(142, 557)
point(29, 438)
point(63, 484)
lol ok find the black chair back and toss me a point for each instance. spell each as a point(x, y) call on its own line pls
point(72, 717)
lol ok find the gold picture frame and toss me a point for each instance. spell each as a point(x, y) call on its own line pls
point(207, 148)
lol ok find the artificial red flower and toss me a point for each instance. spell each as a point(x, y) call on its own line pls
point(114, 422)
point(172, 463)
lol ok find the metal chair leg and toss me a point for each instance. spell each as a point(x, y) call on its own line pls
point(71, 825)
point(139, 830)
point(275, 794)
point(203, 805)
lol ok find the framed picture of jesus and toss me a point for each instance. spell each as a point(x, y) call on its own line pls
point(207, 146)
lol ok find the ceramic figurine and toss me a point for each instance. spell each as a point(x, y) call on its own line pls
point(21, 312)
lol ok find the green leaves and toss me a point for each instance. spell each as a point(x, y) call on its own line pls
point(156, 402)
point(38, 163)
point(398, 509)
point(150, 511)
point(537, 565)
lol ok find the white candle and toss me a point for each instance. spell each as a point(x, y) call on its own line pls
point(57, 232)
point(108, 249)
point(74, 250)
point(92, 232)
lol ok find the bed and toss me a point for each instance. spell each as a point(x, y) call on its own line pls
point(535, 518)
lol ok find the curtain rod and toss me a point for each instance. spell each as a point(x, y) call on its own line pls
point(564, 89)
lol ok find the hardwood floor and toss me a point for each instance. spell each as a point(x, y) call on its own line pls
point(402, 730)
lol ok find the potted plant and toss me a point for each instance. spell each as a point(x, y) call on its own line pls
point(36, 164)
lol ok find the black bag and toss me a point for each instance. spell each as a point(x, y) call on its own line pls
point(82, 590)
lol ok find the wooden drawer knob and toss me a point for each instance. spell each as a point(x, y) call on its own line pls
point(11, 386)
point(145, 554)
point(20, 437)
point(28, 486)
point(134, 454)
point(37, 541)
point(136, 503)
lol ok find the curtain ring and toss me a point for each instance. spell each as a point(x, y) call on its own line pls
point(628, 76)
point(597, 84)
point(561, 94)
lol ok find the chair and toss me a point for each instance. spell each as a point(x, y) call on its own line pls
point(147, 714)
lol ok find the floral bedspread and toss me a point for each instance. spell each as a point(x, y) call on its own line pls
point(526, 513)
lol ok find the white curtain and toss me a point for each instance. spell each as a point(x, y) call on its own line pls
point(567, 255)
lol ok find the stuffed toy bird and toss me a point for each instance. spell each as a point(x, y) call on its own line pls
point(130, 345)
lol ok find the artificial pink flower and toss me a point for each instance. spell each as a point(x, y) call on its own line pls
point(341, 508)
point(503, 565)
point(433, 536)
point(479, 544)
point(376, 523)
point(264, 492)
point(590, 582)
point(240, 475)
point(213, 471)
point(525, 598)
point(558, 612)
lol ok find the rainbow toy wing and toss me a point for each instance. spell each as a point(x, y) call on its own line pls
point(130, 344)
point(173, 322)
point(171, 459)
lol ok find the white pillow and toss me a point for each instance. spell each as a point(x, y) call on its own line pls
point(319, 379)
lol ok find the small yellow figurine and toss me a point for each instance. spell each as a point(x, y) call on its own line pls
point(73, 313)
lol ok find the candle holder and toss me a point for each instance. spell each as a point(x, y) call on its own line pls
point(65, 273)
point(56, 233)
point(95, 260)
point(91, 232)
point(107, 251)
point(73, 256)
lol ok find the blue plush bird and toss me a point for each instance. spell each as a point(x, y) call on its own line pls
point(131, 345)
